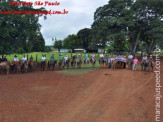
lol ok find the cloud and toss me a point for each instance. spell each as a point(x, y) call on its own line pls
point(80, 16)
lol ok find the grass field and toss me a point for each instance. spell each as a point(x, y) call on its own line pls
point(56, 55)
point(39, 55)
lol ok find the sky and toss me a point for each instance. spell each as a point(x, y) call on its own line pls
point(80, 16)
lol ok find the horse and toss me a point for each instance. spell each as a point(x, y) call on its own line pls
point(85, 61)
point(79, 63)
point(17, 65)
point(24, 65)
point(101, 62)
point(5, 65)
point(52, 63)
point(147, 65)
point(67, 63)
point(31, 66)
point(60, 64)
point(73, 63)
point(44, 65)
point(93, 61)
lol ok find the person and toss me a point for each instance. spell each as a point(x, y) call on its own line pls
point(102, 55)
point(60, 57)
point(74, 57)
point(125, 61)
point(43, 58)
point(109, 62)
point(145, 58)
point(24, 59)
point(93, 57)
point(79, 57)
point(4, 59)
point(86, 56)
point(16, 58)
point(31, 59)
point(130, 57)
point(151, 60)
point(52, 58)
point(135, 62)
point(65, 59)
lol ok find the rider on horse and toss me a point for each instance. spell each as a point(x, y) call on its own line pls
point(151, 60)
point(24, 59)
point(79, 58)
point(16, 60)
point(52, 58)
point(43, 60)
point(65, 59)
point(3, 61)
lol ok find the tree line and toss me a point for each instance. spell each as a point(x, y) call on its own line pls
point(121, 25)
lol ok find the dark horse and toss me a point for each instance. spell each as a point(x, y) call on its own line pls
point(52, 64)
point(73, 63)
point(147, 65)
point(60, 64)
point(101, 62)
point(43, 65)
point(79, 63)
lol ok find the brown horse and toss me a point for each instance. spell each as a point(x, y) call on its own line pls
point(52, 64)
point(17, 65)
point(5, 65)
point(31, 65)
point(24, 66)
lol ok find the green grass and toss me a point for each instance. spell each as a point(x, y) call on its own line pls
point(39, 55)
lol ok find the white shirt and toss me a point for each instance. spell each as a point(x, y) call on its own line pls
point(66, 58)
point(43, 58)
point(93, 55)
point(144, 58)
point(101, 55)
point(130, 57)
point(24, 59)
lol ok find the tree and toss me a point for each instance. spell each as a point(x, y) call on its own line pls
point(71, 42)
point(58, 44)
point(17, 28)
point(84, 38)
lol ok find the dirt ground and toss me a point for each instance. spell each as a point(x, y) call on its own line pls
point(102, 95)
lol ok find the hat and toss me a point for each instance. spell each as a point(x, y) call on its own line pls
point(150, 55)
point(15, 56)
point(79, 54)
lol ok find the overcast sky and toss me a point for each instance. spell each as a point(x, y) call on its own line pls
point(80, 16)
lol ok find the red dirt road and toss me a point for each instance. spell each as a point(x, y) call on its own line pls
point(103, 95)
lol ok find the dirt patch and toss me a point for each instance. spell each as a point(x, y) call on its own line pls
point(103, 95)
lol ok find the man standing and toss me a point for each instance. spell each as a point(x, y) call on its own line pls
point(52, 58)
point(135, 62)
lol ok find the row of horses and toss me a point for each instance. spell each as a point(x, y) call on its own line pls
point(20, 66)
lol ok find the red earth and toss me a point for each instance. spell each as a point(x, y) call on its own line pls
point(103, 95)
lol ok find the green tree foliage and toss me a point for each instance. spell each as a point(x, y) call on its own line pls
point(133, 20)
point(17, 28)
point(71, 42)
point(58, 44)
